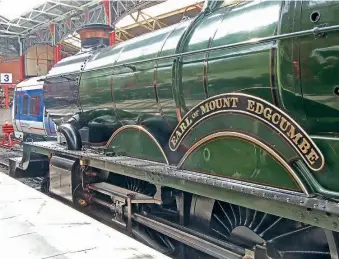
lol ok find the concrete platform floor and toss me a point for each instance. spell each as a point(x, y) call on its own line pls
point(34, 226)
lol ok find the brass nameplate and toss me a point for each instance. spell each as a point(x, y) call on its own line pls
point(254, 107)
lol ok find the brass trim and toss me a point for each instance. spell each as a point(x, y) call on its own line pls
point(254, 116)
point(178, 114)
point(141, 129)
point(251, 140)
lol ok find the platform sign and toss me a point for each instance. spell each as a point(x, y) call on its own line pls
point(6, 78)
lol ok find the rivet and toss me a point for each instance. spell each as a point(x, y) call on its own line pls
point(288, 199)
point(302, 216)
point(316, 220)
point(334, 224)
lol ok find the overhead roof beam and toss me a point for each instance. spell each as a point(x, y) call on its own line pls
point(28, 19)
point(14, 25)
point(47, 13)
point(9, 32)
point(7, 36)
point(40, 11)
point(3, 18)
point(59, 17)
point(59, 2)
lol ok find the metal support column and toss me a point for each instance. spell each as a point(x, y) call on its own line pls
point(57, 53)
point(21, 61)
point(112, 38)
point(56, 46)
point(108, 18)
point(107, 9)
point(22, 67)
point(6, 96)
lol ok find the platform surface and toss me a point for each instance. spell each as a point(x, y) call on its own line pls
point(33, 225)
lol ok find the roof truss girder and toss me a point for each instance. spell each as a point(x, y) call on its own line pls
point(33, 29)
point(92, 14)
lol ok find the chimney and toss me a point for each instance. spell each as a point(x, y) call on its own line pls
point(94, 35)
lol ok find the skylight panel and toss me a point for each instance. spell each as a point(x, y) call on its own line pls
point(12, 9)
point(159, 9)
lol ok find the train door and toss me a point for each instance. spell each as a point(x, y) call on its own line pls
point(24, 112)
point(36, 114)
point(16, 109)
point(319, 63)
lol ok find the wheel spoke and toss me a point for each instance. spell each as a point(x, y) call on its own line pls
point(262, 234)
point(234, 215)
point(284, 238)
point(333, 243)
point(222, 223)
point(226, 215)
point(290, 233)
point(253, 219)
point(260, 223)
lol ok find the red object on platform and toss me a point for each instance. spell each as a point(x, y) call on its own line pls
point(7, 140)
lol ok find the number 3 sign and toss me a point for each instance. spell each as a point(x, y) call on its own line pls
point(5, 78)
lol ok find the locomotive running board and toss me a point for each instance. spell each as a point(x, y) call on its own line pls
point(121, 197)
point(122, 194)
point(317, 211)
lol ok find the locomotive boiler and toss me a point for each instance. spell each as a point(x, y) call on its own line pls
point(219, 133)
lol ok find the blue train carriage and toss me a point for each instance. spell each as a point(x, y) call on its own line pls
point(30, 120)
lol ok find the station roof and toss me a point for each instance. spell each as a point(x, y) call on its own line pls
point(30, 20)
point(21, 17)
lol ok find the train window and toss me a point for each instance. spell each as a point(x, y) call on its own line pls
point(17, 100)
point(35, 105)
point(16, 109)
point(25, 105)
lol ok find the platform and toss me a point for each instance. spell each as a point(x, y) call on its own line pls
point(33, 225)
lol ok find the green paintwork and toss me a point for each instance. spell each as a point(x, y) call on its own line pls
point(254, 128)
point(136, 143)
point(329, 175)
point(256, 165)
point(297, 74)
point(242, 124)
point(319, 67)
point(287, 78)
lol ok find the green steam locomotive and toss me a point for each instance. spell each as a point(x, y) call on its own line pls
point(213, 138)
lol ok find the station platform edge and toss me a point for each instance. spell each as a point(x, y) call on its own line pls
point(33, 225)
